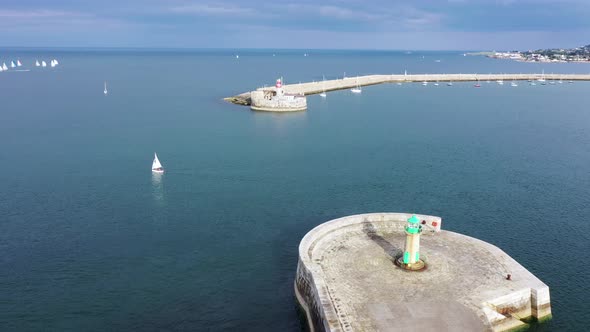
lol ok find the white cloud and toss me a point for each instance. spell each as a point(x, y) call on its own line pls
point(214, 9)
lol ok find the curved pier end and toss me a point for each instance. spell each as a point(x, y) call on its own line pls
point(347, 280)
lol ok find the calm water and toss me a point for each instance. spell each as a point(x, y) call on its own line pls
point(92, 241)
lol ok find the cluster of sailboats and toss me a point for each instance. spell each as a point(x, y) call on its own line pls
point(4, 67)
point(16, 65)
point(52, 63)
point(513, 82)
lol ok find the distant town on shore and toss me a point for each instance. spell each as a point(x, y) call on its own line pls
point(578, 54)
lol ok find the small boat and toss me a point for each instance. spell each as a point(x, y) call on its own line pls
point(4, 66)
point(424, 83)
point(323, 94)
point(477, 85)
point(56, 63)
point(450, 83)
point(237, 56)
point(1, 69)
point(43, 63)
point(37, 64)
point(542, 79)
point(18, 64)
point(399, 83)
point(436, 83)
point(533, 83)
point(513, 83)
point(105, 88)
point(156, 166)
point(356, 89)
point(12, 65)
point(570, 82)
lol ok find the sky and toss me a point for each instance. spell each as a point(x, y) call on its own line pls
point(301, 24)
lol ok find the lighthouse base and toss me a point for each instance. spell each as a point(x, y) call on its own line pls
point(419, 265)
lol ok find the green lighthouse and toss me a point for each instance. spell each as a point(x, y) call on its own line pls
point(411, 258)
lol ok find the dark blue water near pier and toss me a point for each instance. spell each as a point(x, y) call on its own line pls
point(92, 241)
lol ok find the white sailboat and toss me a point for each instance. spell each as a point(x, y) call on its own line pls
point(105, 88)
point(43, 63)
point(356, 89)
point(323, 94)
point(52, 63)
point(18, 64)
point(1, 69)
point(4, 66)
point(56, 63)
point(542, 79)
point(37, 64)
point(12, 65)
point(156, 166)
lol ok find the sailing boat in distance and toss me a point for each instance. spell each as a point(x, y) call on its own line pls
point(156, 166)
point(323, 94)
point(105, 89)
point(37, 64)
point(356, 89)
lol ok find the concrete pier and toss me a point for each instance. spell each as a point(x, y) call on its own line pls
point(311, 88)
point(347, 280)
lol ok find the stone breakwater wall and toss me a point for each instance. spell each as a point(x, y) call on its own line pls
point(259, 102)
point(311, 289)
point(335, 298)
point(310, 88)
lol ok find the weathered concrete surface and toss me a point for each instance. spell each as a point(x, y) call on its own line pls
point(347, 281)
point(310, 88)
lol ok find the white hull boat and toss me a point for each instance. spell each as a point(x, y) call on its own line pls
point(156, 165)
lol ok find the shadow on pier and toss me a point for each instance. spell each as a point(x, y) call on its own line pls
point(391, 250)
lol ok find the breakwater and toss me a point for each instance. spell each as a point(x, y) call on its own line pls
point(310, 88)
point(347, 280)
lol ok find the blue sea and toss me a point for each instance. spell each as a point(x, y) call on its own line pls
point(91, 240)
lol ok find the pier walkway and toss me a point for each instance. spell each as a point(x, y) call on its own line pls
point(311, 88)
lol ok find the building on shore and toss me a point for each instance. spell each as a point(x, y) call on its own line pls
point(277, 100)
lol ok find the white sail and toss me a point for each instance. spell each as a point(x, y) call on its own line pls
point(4, 66)
point(56, 63)
point(18, 64)
point(12, 65)
point(37, 64)
point(156, 165)
point(43, 63)
point(1, 69)
point(105, 88)
point(53, 64)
